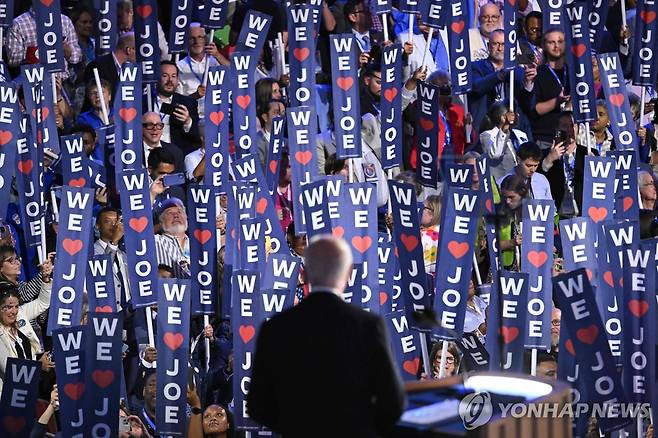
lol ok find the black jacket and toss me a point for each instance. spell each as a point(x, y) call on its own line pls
point(324, 369)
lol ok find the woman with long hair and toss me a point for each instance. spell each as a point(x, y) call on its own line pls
point(429, 231)
point(513, 190)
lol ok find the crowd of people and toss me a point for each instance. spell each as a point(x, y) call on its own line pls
point(535, 151)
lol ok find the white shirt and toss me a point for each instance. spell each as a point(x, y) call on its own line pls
point(166, 131)
point(190, 75)
point(192, 160)
point(415, 60)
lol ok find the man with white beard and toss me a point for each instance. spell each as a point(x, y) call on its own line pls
point(172, 247)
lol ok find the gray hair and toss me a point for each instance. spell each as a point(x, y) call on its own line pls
point(327, 262)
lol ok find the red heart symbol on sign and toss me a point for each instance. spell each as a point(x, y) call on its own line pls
point(617, 99)
point(638, 307)
point(247, 332)
point(261, 205)
point(578, 50)
point(589, 274)
point(47, 3)
point(509, 333)
point(621, 282)
point(361, 244)
point(243, 101)
point(458, 249)
point(512, 2)
point(40, 136)
point(588, 335)
point(72, 246)
point(144, 10)
point(138, 223)
point(383, 298)
point(410, 242)
point(102, 379)
point(303, 157)
point(569, 346)
point(104, 309)
point(74, 390)
point(607, 277)
point(127, 114)
point(173, 340)
point(628, 203)
point(44, 113)
point(648, 16)
point(345, 83)
point(597, 214)
point(202, 236)
point(216, 117)
point(426, 124)
point(25, 167)
point(301, 53)
point(457, 26)
point(338, 232)
point(487, 205)
point(12, 424)
point(5, 137)
point(80, 182)
point(390, 94)
point(537, 258)
point(411, 366)
point(273, 165)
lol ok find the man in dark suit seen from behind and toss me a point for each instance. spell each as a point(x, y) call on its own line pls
point(109, 66)
point(324, 368)
point(178, 113)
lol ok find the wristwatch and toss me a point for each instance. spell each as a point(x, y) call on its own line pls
point(196, 411)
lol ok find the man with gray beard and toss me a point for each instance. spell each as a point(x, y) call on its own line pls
point(172, 247)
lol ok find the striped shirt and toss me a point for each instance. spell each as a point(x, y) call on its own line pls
point(168, 251)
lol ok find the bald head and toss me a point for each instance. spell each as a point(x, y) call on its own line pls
point(327, 262)
point(125, 50)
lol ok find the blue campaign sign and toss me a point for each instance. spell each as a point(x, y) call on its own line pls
point(579, 62)
point(599, 188)
point(19, 396)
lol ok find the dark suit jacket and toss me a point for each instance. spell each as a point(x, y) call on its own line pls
point(107, 70)
point(556, 179)
point(186, 141)
point(483, 94)
point(324, 369)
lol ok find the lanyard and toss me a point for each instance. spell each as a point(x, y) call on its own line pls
point(148, 420)
point(199, 77)
point(564, 72)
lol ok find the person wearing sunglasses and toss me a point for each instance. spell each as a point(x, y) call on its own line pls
point(10, 272)
point(152, 127)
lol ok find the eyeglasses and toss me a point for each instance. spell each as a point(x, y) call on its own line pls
point(490, 17)
point(449, 360)
point(152, 126)
point(430, 209)
point(14, 259)
point(496, 44)
point(555, 322)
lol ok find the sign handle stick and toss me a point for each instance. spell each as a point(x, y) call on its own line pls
point(518, 257)
point(149, 97)
point(53, 85)
point(412, 17)
point(427, 47)
point(149, 326)
point(53, 200)
point(589, 139)
point(176, 55)
point(623, 18)
point(640, 429)
point(476, 268)
point(385, 25)
point(533, 362)
point(425, 352)
point(2, 30)
point(444, 357)
point(206, 321)
point(41, 249)
point(205, 72)
point(99, 89)
point(642, 103)
point(511, 90)
point(351, 170)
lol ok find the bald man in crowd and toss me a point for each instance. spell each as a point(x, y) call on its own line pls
point(323, 368)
